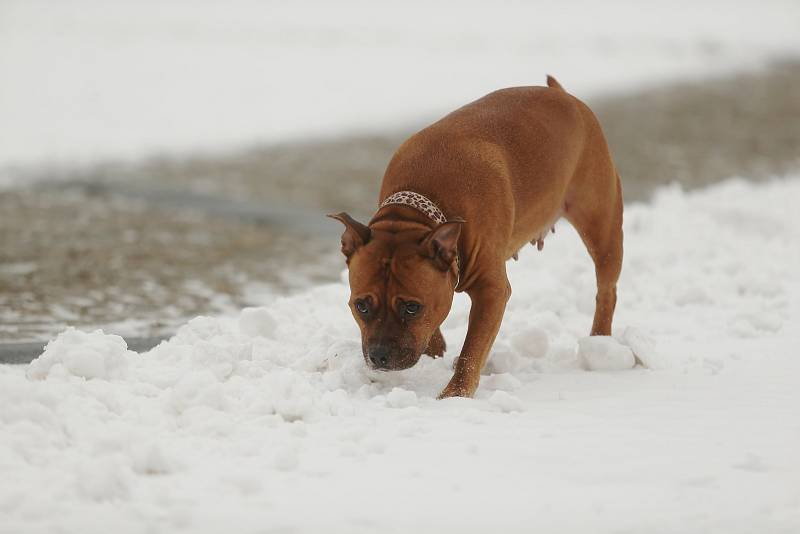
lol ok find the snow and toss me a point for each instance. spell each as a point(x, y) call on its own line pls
point(604, 353)
point(87, 355)
point(282, 428)
point(506, 402)
point(257, 322)
point(92, 79)
point(643, 348)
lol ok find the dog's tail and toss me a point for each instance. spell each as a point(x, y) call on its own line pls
point(553, 83)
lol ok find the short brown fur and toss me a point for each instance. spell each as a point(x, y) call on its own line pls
point(509, 164)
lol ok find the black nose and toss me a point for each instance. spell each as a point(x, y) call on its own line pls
point(379, 356)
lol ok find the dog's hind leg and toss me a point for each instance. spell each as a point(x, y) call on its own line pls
point(596, 213)
point(436, 345)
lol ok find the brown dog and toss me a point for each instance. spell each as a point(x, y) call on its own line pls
point(458, 200)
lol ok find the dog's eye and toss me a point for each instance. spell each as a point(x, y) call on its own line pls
point(412, 308)
point(362, 307)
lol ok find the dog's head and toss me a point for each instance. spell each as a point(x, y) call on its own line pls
point(401, 287)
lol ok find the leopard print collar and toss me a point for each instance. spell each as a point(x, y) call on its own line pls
point(426, 206)
point(417, 201)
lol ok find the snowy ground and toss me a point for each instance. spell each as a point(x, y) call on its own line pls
point(89, 79)
point(270, 422)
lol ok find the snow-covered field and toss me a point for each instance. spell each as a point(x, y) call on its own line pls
point(90, 79)
point(270, 422)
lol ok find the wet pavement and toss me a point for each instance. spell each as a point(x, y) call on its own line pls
point(166, 239)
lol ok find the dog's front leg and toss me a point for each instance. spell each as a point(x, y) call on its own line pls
point(485, 315)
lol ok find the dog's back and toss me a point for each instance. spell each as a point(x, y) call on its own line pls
point(517, 148)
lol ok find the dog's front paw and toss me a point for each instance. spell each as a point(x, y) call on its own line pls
point(458, 388)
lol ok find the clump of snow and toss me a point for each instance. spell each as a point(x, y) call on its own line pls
point(643, 347)
point(247, 424)
point(504, 381)
point(88, 355)
point(104, 479)
point(505, 402)
point(197, 389)
point(151, 459)
point(401, 398)
point(604, 353)
point(532, 341)
point(257, 322)
point(504, 360)
point(286, 459)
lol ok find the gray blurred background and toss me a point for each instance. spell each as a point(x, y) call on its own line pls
point(161, 161)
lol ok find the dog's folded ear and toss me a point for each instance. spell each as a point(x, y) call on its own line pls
point(355, 234)
point(441, 244)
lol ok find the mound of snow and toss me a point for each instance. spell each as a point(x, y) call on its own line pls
point(533, 341)
point(271, 420)
point(604, 353)
point(257, 322)
point(505, 402)
point(401, 398)
point(88, 355)
point(644, 348)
